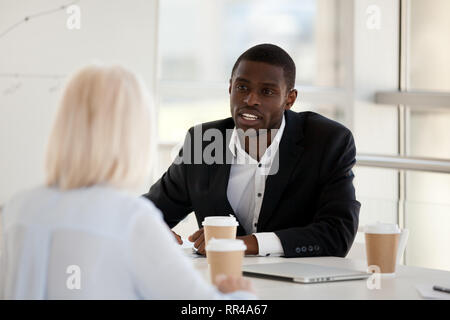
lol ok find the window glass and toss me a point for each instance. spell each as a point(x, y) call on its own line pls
point(428, 201)
point(200, 40)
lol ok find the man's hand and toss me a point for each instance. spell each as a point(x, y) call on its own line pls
point(198, 238)
point(177, 237)
point(251, 242)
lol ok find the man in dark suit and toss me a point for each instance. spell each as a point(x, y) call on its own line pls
point(304, 204)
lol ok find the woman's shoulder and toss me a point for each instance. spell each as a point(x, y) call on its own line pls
point(128, 203)
point(101, 203)
point(25, 196)
point(123, 211)
point(20, 203)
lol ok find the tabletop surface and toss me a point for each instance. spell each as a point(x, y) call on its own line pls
point(400, 286)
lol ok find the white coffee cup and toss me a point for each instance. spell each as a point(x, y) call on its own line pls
point(385, 245)
point(219, 227)
point(225, 256)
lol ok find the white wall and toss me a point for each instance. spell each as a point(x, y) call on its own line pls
point(113, 31)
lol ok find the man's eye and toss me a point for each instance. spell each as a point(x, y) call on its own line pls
point(241, 87)
point(268, 92)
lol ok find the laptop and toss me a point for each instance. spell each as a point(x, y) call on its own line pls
point(302, 272)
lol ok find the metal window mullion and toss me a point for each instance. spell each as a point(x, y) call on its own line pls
point(403, 133)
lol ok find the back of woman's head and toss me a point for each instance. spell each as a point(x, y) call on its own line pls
point(102, 132)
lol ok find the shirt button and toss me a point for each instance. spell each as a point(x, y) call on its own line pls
point(259, 165)
point(259, 195)
point(303, 249)
point(298, 250)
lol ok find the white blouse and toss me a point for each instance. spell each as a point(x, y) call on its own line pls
point(94, 243)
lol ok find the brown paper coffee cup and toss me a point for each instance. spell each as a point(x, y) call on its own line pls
point(219, 227)
point(225, 257)
point(219, 232)
point(381, 250)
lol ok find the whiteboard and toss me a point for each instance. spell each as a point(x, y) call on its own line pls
point(36, 57)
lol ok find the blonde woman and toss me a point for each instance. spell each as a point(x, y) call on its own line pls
point(86, 235)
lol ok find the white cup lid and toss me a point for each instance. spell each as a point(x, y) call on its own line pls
point(220, 221)
point(382, 228)
point(226, 245)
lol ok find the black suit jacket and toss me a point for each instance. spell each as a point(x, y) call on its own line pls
point(310, 203)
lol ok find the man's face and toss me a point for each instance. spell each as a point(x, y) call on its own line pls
point(259, 95)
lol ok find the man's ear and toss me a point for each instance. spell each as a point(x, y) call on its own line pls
point(292, 96)
point(229, 88)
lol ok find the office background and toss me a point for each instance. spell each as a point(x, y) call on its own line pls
point(381, 67)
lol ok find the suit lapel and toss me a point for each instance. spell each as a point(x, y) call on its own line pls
point(290, 151)
point(218, 184)
point(289, 154)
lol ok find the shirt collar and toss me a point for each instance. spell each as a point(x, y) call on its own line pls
point(235, 145)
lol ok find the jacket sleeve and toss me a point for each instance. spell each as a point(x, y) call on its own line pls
point(170, 193)
point(336, 219)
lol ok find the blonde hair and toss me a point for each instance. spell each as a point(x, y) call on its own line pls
point(102, 133)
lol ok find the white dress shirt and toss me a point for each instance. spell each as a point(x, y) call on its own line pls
point(246, 187)
point(94, 243)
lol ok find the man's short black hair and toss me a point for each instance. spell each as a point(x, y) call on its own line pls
point(271, 54)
